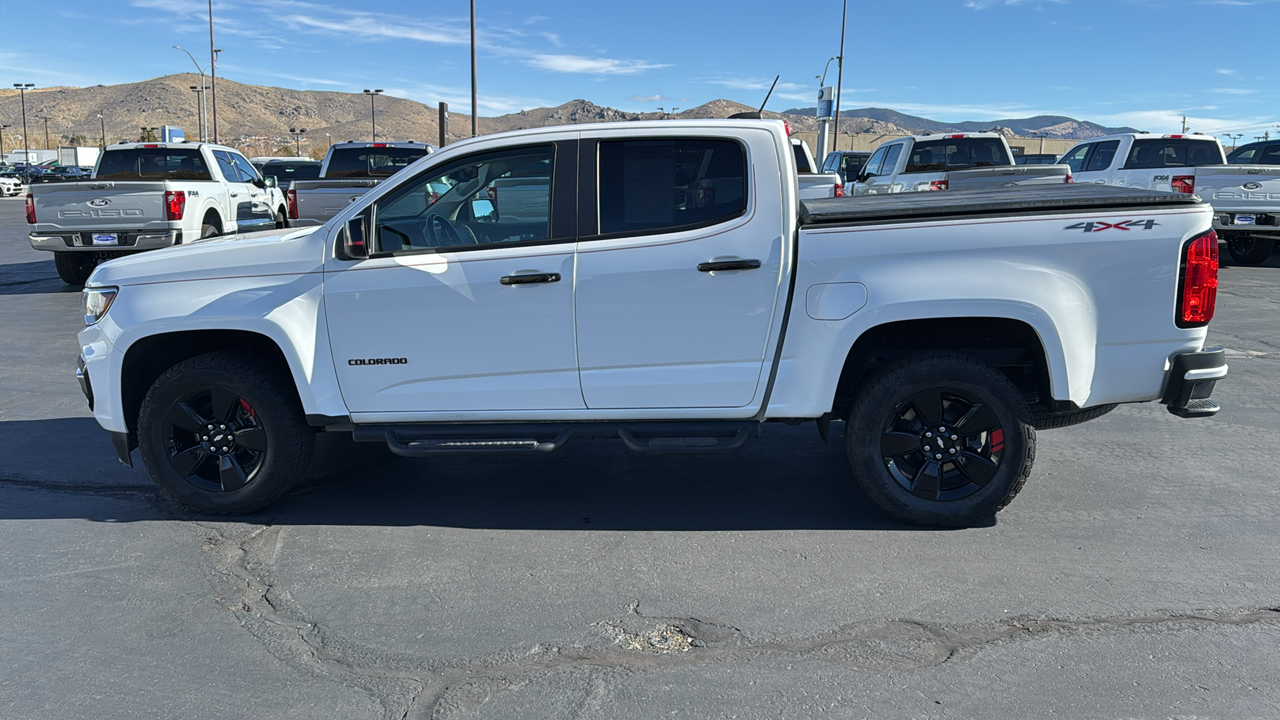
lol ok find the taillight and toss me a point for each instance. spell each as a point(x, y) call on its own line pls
point(1068, 179)
point(1198, 285)
point(175, 204)
point(1184, 183)
point(376, 145)
point(787, 126)
point(954, 137)
point(31, 209)
point(839, 190)
point(292, 197)
point(939, 184)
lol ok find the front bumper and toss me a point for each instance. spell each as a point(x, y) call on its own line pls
point(126, 239)
point(1190, 382)
point(123, 442)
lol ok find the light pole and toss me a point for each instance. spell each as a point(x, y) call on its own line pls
point(373, 111)
point(26, 138)
point(840, 66)
point(2, 129)
point(297, 140)
point(204, 132)
point(474, 101)
point(213, 73)
point(102, 122)
point(200, 117)
point(1233, 138)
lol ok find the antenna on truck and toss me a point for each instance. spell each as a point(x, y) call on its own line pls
point(756, 114)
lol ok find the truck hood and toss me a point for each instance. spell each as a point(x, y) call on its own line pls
point(273, 252)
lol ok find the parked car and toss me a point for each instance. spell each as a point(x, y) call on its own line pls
point(149, 195)
point(9, 186)
point(1245, 197)
point(814, 184)
point(63, 173)
point(1259, 153)
point(846, 163)
point(1035, 159)
point(285, 171)
point(349, 170)
point(675, 311)
point(951, 161)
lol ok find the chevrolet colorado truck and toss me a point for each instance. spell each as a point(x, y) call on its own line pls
point(674, 295)
point(348, 171)
point(1245, 194)
point(149, 195)
point(955, 161)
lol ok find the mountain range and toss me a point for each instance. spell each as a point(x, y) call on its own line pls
point(259, 119)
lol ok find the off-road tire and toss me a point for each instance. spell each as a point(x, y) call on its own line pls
point(270, 406)
point(1248, 250)
point(885, 399)
point(75, 267)
point(1046, 421)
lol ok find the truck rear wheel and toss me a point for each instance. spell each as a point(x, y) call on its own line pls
point(940, 440)
point(74, 267)
point(221, 434)
point(1246, 249)
point(209, 230)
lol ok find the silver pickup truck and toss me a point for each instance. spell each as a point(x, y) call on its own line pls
point(350, 169)
point(145, 196)
point(955, 161)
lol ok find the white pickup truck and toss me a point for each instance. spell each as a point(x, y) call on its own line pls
point(955, 161)
point(149, 195)
point(813, 183)
point(349, 170)
point(1245, 196)
point(675, 295)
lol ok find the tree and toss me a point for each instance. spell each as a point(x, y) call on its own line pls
point(148, 135)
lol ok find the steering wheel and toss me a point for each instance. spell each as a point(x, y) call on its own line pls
point(441, 232)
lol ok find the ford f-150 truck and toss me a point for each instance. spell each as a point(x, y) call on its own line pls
point(675, 295)
point(349, 170)
point(1245, 196)
point(149, 195)
point(957, 161)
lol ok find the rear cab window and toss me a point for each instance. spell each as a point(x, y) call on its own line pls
point(153, 164)
point(655, 186)
point(1173, 152)
point(956, 154)
point(371, 161)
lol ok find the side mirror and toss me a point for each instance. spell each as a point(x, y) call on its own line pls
point(270, 182)
point(862, 177)
point(483, 210)
point(354, 238)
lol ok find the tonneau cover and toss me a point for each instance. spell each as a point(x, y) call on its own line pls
point(988, 201)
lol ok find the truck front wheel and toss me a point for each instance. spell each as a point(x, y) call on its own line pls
point(74, 267)
point(940, 440)
point(221, 434)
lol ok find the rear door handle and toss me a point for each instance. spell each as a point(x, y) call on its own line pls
point(728, 265)
point(531, 279)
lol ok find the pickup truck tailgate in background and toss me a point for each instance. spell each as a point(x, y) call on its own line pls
point(1231, 188)
point(98, 206)
point(994, 177)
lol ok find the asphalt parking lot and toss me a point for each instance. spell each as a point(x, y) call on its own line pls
point(1136, 576)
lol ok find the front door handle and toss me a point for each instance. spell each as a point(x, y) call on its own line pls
point(235, 194)
point(728, 265)
point(532, 279)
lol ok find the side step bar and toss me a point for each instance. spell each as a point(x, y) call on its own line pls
point(654, 438)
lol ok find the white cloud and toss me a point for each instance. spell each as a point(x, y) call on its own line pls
point(984, 4)
point(1170, 121)
point(591, 66)
point(1235, 91)
point(459, 99)
point(650, 98)
point(1229, 73)
point(369, 26)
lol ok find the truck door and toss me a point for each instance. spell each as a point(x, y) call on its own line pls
point(239, 196)
point(460, 308)
point(869, 174)
point(679, 270)
point(262, 208)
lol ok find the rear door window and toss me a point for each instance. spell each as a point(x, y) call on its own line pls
point(652, 186)
point(153, 164)
point(1269, 156)
point(891, 159)
point(1103, 154)
point(1173, 152)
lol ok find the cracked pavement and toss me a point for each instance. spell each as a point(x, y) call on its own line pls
point(1136, 576)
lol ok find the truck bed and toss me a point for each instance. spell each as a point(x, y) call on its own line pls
point(918, 207)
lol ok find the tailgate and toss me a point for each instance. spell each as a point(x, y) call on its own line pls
point(1240, 188)
point(99, 205)
point(1007, 176)
point(319, 200)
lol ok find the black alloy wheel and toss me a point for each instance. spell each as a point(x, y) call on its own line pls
point(1246, 249)
point(943, 444)
point(214, 440)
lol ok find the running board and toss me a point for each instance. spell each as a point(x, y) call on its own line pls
point(652, 438)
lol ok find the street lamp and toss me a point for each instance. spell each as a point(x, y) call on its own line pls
point(297, 140)
point(1233, 138)
point(373, 113)
point(822, 79)
point(2, 129)
point(26, 139)
point(200, 116)
point(204, 136)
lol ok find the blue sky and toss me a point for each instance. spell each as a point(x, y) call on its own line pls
point(1142, 63)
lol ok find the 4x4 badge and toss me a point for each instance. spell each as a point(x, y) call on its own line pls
point(1097, 226)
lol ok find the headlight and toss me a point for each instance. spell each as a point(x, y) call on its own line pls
point(96, 302)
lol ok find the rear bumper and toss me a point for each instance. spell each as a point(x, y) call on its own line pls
point(126, 239)
point(1265, 224)
point(1190, 382)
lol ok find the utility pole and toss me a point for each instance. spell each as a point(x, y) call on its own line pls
point(26, 137)
point(1184, 124)
point(45, 118)
point(444, 123)
point(840, 68)
point(102, 123)
point(2, 129)
point(474, 101)
point(373, 112)
point(200, 118)
point(213, 74)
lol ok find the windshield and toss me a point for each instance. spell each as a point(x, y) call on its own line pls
point(153, 164)
point(956, 154)
point(371, 161)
